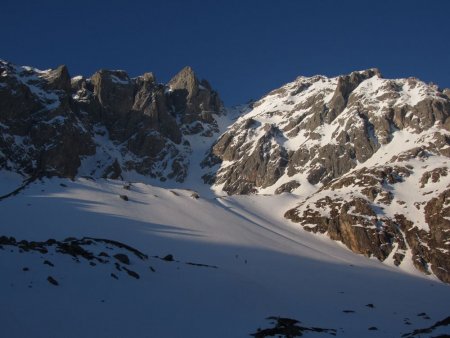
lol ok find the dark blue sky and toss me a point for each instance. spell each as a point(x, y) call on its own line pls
point(244, 48)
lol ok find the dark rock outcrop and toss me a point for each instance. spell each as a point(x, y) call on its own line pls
point(194, 99)
point(437, 216)
point(40, 134)
point(435, 327)
point(49, 122)
point(287, 187)
point(287, 327)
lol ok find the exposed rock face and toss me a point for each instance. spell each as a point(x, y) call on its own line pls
point(190, 94)
point(385, 211)
point(437, 216)
point(52, 124)
point(40, 133)
point(58, 79)
point(114, 91)
point(287, 187)
point(316, 129)
point(374, 152)
point(195, 101)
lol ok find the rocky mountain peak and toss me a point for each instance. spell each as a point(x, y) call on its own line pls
point(446, 92)
point(346, 84)
point(148, 77)
point(114, 91)
point(58, 78)
point(192, 98)
point(86, 126)
point(185, 79)
point(368, 155)
point(327, 126)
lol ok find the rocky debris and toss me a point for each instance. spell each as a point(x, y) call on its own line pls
point(53, 281)
point(202, 265)
point(195, 195)
point(423, 315)
point(117, 244)
point(132, 273)
point(287, 187)
point(287, 327)
point(438, 325)
point(49, 122)
point(122, 258)
point(124, 197)
point(92, 250)
point(114, 171)
point(168, 258)
point(77, 248)
point(48, 263)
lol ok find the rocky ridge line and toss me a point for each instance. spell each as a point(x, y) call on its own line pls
point(52, 124)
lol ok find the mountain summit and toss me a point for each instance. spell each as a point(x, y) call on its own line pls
point(368, 155)
point(102, 125)
point(316, 129)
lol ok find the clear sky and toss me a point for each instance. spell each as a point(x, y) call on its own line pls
point(244, 48)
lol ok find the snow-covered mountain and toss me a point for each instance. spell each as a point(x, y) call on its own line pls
point(316, 129)
point(368, 155)
point(137, 209)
